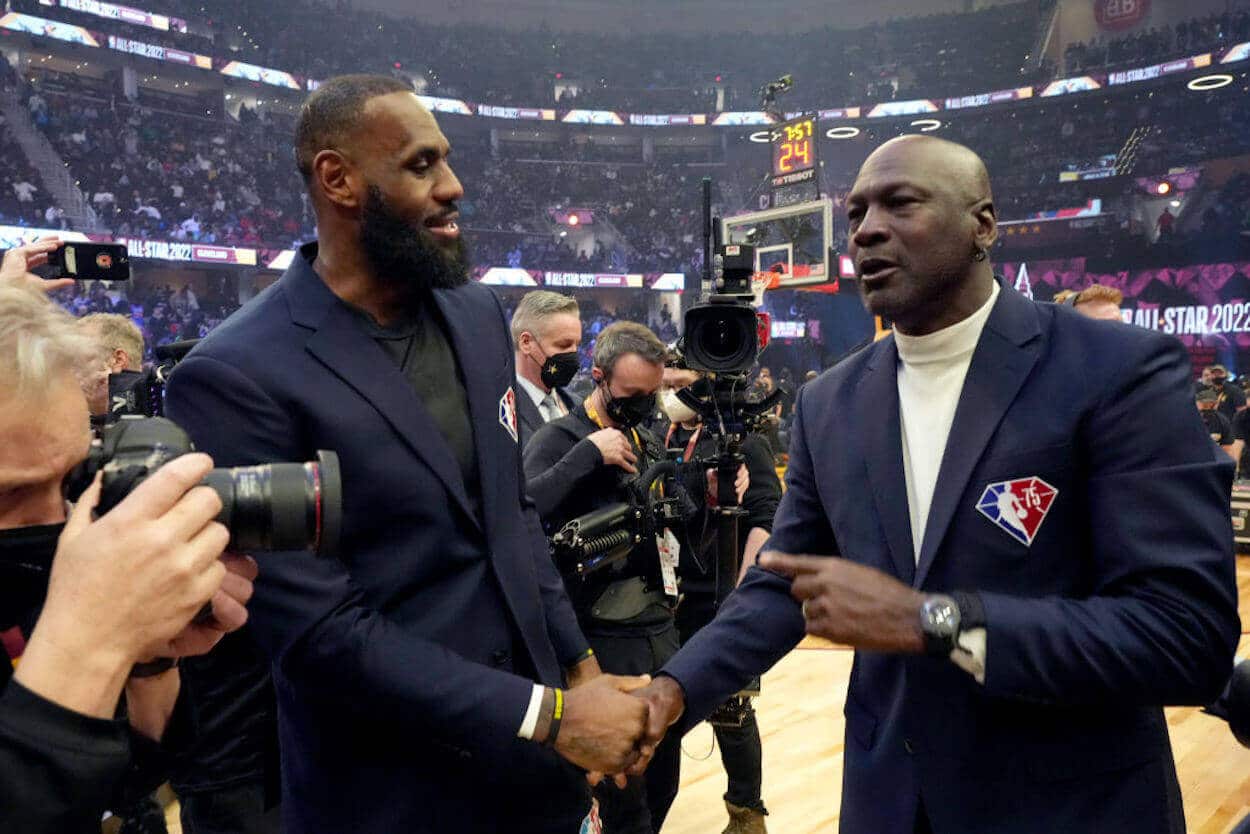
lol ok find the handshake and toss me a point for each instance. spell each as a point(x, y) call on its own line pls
point(612, 724)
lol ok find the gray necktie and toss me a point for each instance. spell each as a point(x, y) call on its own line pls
point(550, 409)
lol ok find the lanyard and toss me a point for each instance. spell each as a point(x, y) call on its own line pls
point(694, 439)
point(593, 414)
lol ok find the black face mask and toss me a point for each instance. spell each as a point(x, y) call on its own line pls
point(558, 369)
point(628, 412)
point(25, 563)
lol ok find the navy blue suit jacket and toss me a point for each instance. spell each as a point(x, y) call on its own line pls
point(403, 667)
point(1124, 601)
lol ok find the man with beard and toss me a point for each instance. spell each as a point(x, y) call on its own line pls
point(419, 673)
point(1017, 521)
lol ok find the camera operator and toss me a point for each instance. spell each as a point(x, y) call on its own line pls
point(1229, 398)
point(759, 492)
point(624, 611)
point(546, 333)
point(121, 349)
point(90, 610)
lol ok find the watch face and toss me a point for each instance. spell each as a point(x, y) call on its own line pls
point(941, 616)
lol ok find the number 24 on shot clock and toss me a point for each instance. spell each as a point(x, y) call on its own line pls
point(794, 150)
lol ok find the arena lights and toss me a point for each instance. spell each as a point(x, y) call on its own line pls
point(1163, 188)
point(574, 220)
point(927, 125)
point(846, 132)
point(1210, 82)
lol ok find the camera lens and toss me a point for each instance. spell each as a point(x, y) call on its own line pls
point(281, 506)
point(721, 338)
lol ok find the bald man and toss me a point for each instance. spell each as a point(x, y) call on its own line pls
point(1018, 523)
point(421, 674)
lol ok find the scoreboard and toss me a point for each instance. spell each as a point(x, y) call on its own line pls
point(794, 152)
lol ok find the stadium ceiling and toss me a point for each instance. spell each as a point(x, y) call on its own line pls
point(686, 17)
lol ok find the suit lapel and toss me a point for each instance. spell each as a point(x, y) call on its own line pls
point(530, 418)
point(877, 416)
point(339, 343)
point(1009, 347)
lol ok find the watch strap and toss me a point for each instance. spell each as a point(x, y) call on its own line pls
point(971, 610)
point(152, 668)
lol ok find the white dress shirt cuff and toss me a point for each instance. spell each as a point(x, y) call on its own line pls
point(969, 653)
point(530, 722)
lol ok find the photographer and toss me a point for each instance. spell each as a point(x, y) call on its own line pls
point(121, 355)
point(624, 610)
point(90, 610)
point(759, 492)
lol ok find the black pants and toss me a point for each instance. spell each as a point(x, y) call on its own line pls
point(740, 750)
point(235, 809)
point(639, 808)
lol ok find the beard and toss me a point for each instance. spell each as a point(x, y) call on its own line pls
point(407, 256)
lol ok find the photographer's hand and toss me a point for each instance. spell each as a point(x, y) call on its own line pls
point(124, 586)
point(615, 448)
point(20, 260)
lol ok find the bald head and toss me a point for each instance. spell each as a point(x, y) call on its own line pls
point(921, 221)
point(947, 163)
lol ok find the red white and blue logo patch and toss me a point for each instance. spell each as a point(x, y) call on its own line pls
point(507, 413)
point(1018, 507)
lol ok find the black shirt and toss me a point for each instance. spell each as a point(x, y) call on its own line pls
point(1231, 399)
point(1218, 426)
point(566, 477)
point(760, 502)
point(61, 770)
point(419, 346)
point(1241, 431)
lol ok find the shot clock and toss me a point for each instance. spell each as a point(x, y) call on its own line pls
point(794, 151)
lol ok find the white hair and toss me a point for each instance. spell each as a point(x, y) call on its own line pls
point(39, 342)
point(534, 310)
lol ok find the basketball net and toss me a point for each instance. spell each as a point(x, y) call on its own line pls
point(761, 282)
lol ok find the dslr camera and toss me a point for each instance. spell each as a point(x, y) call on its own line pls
point(266, 508)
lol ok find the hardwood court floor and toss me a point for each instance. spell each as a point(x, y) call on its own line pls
point(800, 716)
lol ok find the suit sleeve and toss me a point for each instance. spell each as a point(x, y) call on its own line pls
point(311, 618)
point(1160, 623)
point(553, 470)
point(760, 622)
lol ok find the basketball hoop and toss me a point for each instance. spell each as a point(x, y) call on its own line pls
point(761, 282)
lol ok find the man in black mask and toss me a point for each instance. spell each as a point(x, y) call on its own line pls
point(626, 611)
point(421, 676)
point(546, 333)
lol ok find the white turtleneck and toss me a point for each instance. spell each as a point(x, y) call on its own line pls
point(931, 374)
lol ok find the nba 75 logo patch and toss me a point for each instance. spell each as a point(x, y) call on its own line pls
point(1018, 507)
point(507, 413)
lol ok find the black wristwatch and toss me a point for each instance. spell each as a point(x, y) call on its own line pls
point(939, 623)
point(943, 617)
